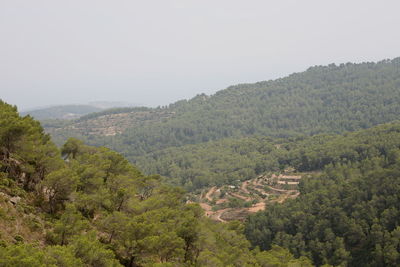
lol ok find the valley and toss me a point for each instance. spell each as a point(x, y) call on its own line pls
point(302, 170)
point(199, 134)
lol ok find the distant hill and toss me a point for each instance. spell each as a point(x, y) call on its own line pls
point(323, 99)
point(75, 111)
point(112, 104)
point(67, 112)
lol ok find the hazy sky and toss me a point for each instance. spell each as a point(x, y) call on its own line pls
point(156, 52)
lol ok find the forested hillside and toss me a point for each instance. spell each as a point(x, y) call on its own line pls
point(323, 99)
point(228, 161)
point(349, 214)
point(87, 206)
point(79, 205)
point(220, 162)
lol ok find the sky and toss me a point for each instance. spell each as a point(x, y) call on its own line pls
point(157, 52)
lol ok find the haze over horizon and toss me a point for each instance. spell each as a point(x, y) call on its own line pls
point(77, 52)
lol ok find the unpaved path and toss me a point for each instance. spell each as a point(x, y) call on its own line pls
point(257, 207)
point(217, 215)
point(282, 190)
point(244, 187)
point(207, 209)
point(240, 196)
point(295, 195)
point(210, 193)
point(256, 184)
point(288, 194)
point(220, 201)
point(205, 206)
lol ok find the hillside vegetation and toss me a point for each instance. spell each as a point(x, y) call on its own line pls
point(349, 214)
point(316, 153)
point(323, 99)
point(230, 161)
point(346, 215)
point(87, 206)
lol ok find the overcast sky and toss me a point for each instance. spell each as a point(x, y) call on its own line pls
point(157, 52)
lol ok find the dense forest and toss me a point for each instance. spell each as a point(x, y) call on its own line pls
point(228, 161)
point(86, 206)
point(89, 206)
point(323, 99)
point(220, 162)
point(349, 214)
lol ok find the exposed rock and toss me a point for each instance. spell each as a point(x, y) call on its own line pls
point(15, 200)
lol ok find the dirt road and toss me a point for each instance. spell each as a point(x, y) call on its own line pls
point(210, 193)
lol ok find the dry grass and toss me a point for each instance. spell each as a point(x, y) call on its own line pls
point(18, 223)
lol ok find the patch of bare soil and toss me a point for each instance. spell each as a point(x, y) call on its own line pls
point(244, 187)
point(210, 192)
point(257, 207)
point(257, 190)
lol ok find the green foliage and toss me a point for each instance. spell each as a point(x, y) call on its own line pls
point(22, 256)
point(63, 256)
point(19, 239)
point(280, 257)
point(111, 111)
point(104, 209)
point(71, 148)
point(58, 186)
point(99, 210)
point(323, 99)
point(348, 215)
point(26, 153)
point(318, 151)
point(93, 253)
point(70, 225)
point(213, 163)
point(86, 251)
point(228, 160)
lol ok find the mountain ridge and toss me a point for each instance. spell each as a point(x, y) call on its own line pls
point(322, 99)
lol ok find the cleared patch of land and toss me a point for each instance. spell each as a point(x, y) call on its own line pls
point(112, 124)
point(235, 202)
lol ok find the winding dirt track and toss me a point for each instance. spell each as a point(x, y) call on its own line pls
point(207, 209)
point(257, 185)
point(244, 187)
point(240, 196)
point(282, 190)
point(217, 215)
point(257, 207)
point(210, 193)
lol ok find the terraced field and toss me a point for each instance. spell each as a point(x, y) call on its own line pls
point(235, 202)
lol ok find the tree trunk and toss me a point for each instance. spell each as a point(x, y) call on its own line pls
point(111, 236)
point(132, 262)
point(62, 238)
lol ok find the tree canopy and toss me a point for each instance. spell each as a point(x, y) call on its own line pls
point(88, 206)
